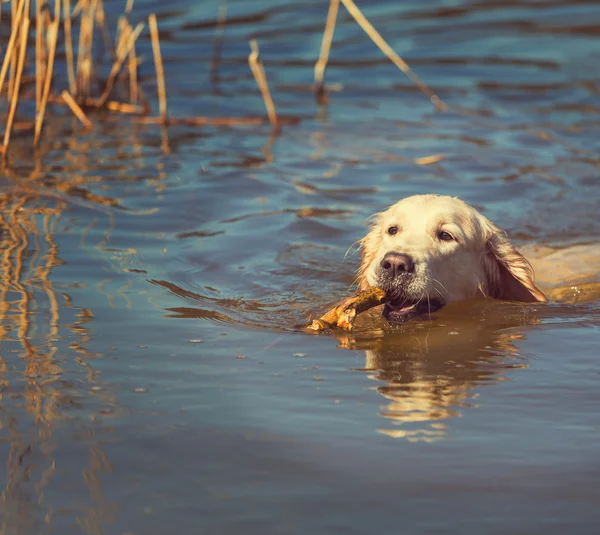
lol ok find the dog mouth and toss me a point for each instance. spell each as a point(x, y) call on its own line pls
point(399, 309)
point(403, 300)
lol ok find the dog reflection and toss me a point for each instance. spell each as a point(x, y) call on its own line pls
point(430, 371)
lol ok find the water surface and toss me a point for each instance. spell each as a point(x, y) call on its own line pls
point(153, 376)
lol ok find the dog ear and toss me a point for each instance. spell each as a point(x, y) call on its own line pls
point(509, 274)
point(368, 250)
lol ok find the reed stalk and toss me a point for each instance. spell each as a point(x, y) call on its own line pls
point(84, 51)
point(125, 107)
point(17, 14)
point(52, 38)
point(158, 65)
point(126, 41)
point(101, 21)
point(375, 36)
point(258, 71)
point(133, 79)
point(321, 64)
point(69, 45)
point(17, 84)
point(39, 53)
point(89, 16)
point(76, 109)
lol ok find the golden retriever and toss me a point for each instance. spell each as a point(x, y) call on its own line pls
point(429, 250)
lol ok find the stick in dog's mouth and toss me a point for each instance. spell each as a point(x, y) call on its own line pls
point(344, 314)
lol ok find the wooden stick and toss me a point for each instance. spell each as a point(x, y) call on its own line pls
point(344, 314)
point(390, 53)
point(261, 80)
point(52, 38)
point(11, 43)
point(321, 64)
point(15, 96)
point(77, 111)
point(160, 74)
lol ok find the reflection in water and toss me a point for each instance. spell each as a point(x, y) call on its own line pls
point(429, 371)
point(35, 389)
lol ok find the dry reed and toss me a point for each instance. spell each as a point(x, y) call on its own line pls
point(428, 160)
point(125, 107)
point(76, 109)
point(10, 48)
point(88, 16)
point(132, 64)
point(375, 36)
point(321, 64)
point(160, 73)
point(52, 39)
point(258, 71)
point(128, 37)
point(69, 46)
point(84, 51)
point(215, 121)
point(40, 50)
point(14, 99)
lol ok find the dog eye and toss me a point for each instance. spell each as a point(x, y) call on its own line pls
point(392, 230)
point(445, 236)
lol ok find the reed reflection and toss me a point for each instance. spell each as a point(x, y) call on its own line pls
point(429, 373)
point(41, 378)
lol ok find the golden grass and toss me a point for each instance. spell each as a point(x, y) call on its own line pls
point(86, 91)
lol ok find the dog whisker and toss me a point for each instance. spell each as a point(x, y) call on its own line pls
point(441, 285)
point(480, 288)
point(441, 294)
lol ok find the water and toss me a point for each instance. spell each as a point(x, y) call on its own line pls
point(153, 376)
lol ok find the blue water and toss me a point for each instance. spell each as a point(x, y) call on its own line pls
point(136, 276)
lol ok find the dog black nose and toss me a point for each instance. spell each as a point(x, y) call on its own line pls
point(397, 263)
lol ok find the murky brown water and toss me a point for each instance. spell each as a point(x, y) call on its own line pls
point(134, 280)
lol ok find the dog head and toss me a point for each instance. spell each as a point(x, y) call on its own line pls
point(429, 250)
